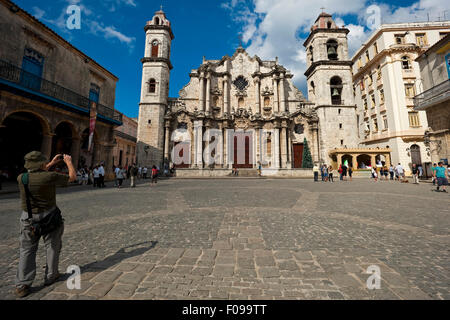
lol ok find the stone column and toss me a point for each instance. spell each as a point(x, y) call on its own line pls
point(276, 147)
point(289, 150)
point(199, 143)
point(282, 94)
point(46, 147)
point(202, 92)
point(75, 151)
point(208, 94)
point(339, 160)
point(355, 161)
point(166, 144)
point(225, 146)
point(258, 95)
point(315, 149)
point(276, 106)
point(226, 101)
point(373, 160)
point(258, 145)
point(388, 160)
point(283, 145)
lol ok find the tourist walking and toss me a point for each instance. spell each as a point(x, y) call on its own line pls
point(40, 218)
point(120, 175)
point(101, 178)
point(331, 173)
point(420, 171)
point(96, 174)
point(391, 172)
point(322, 173)
point(325, 173)
point(340, 170)
point(154, 175)
point(386, 173)
point(144, 173)
point(433, 173)
point(415, 173)
point(401, 172)
point(344, 172)
point(116, 173)
point(441, 174)
point(316, 172)
point(133, 175)
point(350, 173)
point(374, 174)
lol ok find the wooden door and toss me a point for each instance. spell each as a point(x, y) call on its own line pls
point(239, 148)
point(181, 155)
point(298, 155)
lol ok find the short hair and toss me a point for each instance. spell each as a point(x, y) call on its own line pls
point(440, 162)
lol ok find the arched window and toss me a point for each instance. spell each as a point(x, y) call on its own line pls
point(155, 48)
point(406, 65)
point(332, 50)
point(336, 90)
point(156, 20)
point(311, 53)
point(266, 102)
point(241, 102)
point(152, 86)
point(329, 25)
point(313, 87)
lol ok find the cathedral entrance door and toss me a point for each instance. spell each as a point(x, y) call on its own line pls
point(298, 155)
point(242, 151)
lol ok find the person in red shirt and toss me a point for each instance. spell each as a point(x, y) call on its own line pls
point(154, 175)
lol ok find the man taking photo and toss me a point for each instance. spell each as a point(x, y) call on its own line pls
point(40, 217)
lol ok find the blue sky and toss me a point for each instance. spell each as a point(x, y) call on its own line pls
point(112, 31)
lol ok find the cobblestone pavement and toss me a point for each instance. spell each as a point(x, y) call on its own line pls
point(245, 239)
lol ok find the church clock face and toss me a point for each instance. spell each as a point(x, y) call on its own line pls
point(154, 43)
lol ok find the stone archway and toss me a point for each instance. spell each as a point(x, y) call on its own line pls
point(21, 133)
point(364, 161)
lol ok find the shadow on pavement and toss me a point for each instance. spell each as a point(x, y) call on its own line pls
point(98, 266)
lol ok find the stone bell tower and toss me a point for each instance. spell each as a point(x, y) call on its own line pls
point(330, 85)
point(156, 68)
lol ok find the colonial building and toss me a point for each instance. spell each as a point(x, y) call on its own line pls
point(435, 99)
point(241, 93)
point(47, 88)
point(386, 78)
point(125, 137)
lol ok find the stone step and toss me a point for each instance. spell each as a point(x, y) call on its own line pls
point(247, 173)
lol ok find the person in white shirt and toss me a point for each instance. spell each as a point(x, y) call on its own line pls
point(116, 172)
point(144, 172)
point(101, 172)
point(139, 172)
point(400, 171)
point(96, 173)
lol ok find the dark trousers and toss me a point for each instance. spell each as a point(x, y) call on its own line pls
point(101, 181)
point(316, 176)
point(95, 182)
point(331, 177)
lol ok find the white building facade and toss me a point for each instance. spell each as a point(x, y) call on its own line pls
point(386, 78)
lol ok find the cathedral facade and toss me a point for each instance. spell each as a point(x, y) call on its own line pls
point(247, 108)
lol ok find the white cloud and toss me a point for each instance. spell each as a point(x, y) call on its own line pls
point(38, 13)
point(110, 32)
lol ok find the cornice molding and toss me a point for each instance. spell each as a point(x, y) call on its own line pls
point(157, 59)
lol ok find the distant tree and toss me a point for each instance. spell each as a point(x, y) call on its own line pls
point(307, 161)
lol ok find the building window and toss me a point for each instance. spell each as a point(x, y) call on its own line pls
point(313, 88)
point(372, 100)
point(375, 48)
point(365, 104)
point(410, 91)
point(340, 125)
point(332, 48)
point(399, 38)
point(266, 102)
point(339, 111)
point(155, 48)
point(378, 72)
point(414, 119)
point(152, 86)
point(375, 125)
point(94, 93)
point(367, 56)
point(336, 90)
point(359, 63)
point(362, 85)
point(342, 142)
point(406, 65)
point(381, 96)
point(385, 122)
point(311, 53)
point(370, 79)
point(421, 39)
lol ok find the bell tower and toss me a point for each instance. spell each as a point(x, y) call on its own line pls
point(330, 85)
point(153, 104)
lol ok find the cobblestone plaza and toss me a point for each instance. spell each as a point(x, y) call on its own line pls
point(244, 239)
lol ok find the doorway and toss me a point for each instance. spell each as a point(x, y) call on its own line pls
point(298, 155)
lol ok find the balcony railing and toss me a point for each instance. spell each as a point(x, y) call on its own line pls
point(433, 96)
point(32, 82)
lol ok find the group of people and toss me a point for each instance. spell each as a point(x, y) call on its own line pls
point(441, 175)
point(94, 175)
point(328, 173)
